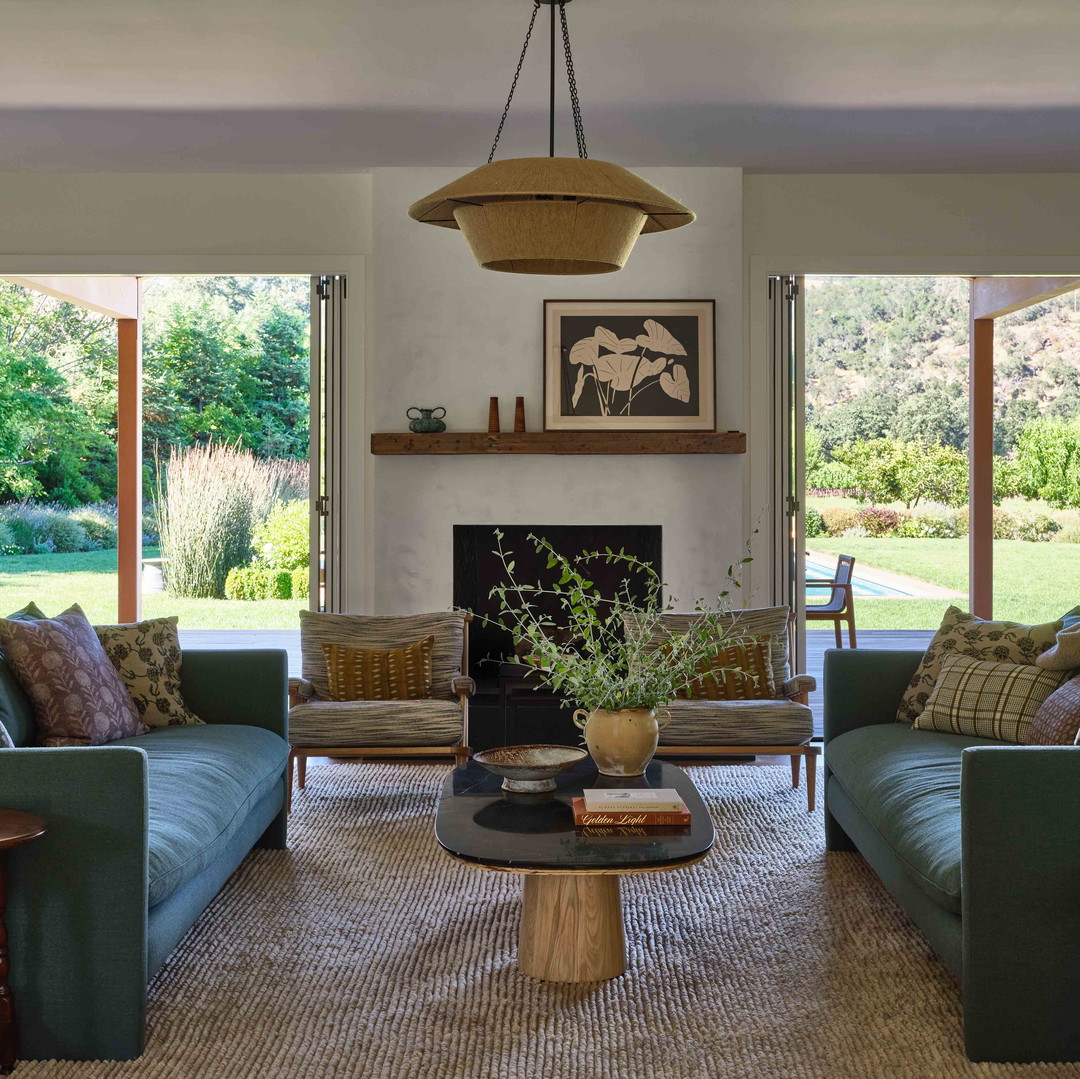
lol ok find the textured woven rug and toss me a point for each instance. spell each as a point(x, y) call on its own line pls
point(364, 951)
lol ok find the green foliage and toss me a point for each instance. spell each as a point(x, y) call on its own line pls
point(838, 519)
point(933, 523)
point(878, 521)
point(281, 541)
point(887, 470)
point(99, 523)
point(610, 666)
point(258, 582)
point(815, 524)
point(301, 583)
point(1047, 464)
point(8, 546)
point(210, 500)
point(36, 528)
point(1030, 526)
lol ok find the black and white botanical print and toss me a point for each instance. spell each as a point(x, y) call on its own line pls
point(625, 365)
point(648, 373)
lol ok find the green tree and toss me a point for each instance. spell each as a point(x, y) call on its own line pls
point(887, 470)
point(1047, 463)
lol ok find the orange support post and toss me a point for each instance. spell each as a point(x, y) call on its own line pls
point(981, 468)
point(129, 469)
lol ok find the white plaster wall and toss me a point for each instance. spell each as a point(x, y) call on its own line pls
point(445, 332)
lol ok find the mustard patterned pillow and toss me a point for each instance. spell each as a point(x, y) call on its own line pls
point(963, 634)
point(391, 674)
point(147, 657)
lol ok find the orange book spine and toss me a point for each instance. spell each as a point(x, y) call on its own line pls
point(643, 818)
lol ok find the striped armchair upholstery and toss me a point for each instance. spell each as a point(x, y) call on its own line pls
point(438, 724)
point(716, 728)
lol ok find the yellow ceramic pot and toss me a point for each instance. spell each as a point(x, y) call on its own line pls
point(622, 742)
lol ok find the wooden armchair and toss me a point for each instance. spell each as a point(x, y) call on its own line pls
point(782, 725)
point(436, 726)
point(840, 606)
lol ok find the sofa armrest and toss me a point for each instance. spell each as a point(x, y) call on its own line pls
point(248, 686)
point(1021, 915)
point(798, 686)
point(77, 900)
point(864, 686)
point(300, 691)
point(462, 685)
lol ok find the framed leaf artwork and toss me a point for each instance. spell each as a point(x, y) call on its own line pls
point(629, 365)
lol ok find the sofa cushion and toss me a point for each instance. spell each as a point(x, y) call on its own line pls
point(345, 724)
point(907, 783)
point(737, 723)
point(202, 781)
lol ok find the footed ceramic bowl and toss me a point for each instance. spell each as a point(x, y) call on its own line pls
point(530, 768)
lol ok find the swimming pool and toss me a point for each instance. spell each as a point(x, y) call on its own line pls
point(815, 568)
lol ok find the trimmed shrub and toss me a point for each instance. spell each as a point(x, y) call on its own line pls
point(99, 523)
point(301, 583)
point(1068, 533)
point(855, 532)
point(879, 521)
point(7, 540)
point(838, 520)
point(43, 529)
point(1034, 528)
point(930, 523)
point(281, 540)
point(815, 526)
point(1004, 524)
point(258, 582)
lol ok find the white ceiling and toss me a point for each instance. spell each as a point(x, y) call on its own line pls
point(773, 85)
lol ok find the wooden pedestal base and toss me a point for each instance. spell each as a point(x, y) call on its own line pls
point(572, 927)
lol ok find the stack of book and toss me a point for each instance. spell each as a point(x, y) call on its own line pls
point(637, 807)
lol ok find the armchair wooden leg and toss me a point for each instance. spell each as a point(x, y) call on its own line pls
point(839, 638)
point(301, 770)
point(795, 769)
point(289, 783)
point(811, 778)
point(851, 629)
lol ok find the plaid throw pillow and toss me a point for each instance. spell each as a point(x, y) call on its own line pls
point(393, 674)
point(739, 672)
point(987, 700)
point(963, 634)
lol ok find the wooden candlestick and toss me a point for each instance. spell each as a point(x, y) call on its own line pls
point(519, 416)
point(493, 416)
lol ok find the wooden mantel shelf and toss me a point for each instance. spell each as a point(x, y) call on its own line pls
point(561, 442)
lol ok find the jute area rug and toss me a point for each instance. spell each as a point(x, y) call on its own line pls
point(365, 951)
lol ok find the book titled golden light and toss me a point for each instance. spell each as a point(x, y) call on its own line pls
point(645, 818)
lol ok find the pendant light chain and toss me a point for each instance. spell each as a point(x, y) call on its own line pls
point(571, 78)
point(513, 85)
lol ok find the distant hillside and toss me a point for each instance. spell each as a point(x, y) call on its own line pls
point(888, 356)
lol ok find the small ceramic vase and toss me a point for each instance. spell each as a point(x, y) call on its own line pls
point(622, 742)
point(426, 422)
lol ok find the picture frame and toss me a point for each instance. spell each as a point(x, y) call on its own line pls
point(629, 365)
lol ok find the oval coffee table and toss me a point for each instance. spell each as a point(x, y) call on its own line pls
point(571, 914)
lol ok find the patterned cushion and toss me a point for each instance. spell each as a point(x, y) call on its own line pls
point(380, 632)
point(395, 674)
point(738, 672)
point(5, 738)
point(30, 613)
point(771, 622)
point(1057, 722)
point(963, 634)
point(77, 695)
point(737, 723)
point(345, 724)
point(1071, 617)
point(1065, 653)
point(987, 699)
point(147, 657)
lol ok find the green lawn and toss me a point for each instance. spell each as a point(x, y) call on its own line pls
point(55, 581)
point(1033, 582)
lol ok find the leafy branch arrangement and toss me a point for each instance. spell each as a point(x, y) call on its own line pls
point(624, 367)
point(615, 663)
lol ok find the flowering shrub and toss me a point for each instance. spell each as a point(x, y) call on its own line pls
point(838, 520)
point(878, 521)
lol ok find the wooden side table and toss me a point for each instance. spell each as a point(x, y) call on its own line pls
point(16, 828)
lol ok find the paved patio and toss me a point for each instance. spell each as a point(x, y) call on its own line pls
point(817, 642)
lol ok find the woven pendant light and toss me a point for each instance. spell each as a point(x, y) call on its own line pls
point(551, 215)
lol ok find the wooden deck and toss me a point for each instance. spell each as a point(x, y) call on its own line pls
point(817, 642)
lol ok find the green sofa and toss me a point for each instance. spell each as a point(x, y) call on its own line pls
point(143, 832)
point(978, 841)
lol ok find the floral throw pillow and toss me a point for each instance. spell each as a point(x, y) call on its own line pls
point(963, 634)
point(77, 695)
point(147, 657)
